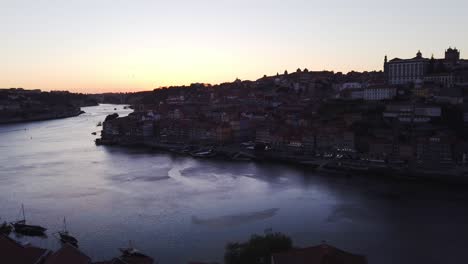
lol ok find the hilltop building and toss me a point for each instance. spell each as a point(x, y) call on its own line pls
point(419, 69)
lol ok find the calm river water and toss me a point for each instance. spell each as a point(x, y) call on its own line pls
point(178, 209)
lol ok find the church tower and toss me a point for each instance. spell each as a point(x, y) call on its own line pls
point(419, 55)
point(452, 55)
point(385, 67)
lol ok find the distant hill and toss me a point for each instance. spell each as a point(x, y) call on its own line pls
point(21, 105)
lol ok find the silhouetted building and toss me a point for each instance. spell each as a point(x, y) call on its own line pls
point(322, 254)
point(68, 254)
point(419, 69)
point(14, 252)
point(403, 71)
point(435, 152)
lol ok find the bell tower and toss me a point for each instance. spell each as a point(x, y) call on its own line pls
point(385, 68)
point(419, 55)
point(452, 55)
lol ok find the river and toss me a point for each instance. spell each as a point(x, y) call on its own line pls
point(177, 208)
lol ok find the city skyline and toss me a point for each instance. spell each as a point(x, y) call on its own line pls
point(233, 131)
point(121, 46)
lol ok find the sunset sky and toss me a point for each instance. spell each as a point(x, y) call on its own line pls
point(127, 45)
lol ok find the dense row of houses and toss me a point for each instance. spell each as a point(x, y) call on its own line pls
point(390, 115)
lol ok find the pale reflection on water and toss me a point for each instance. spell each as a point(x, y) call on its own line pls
point(178, 208)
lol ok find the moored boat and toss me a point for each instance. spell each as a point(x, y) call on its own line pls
point(204, 154)
point(22, 228)
point(65, 236)
point(132, 255)
point(28, 230)
point(68, 239)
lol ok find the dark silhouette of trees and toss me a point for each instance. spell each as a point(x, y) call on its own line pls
point(257, 250)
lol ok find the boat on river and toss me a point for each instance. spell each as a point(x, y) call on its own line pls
point(132, 255)
point(65, 236)
point(22, 228)
point(204, 153)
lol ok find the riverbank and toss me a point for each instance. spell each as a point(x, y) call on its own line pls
point(330, 165)
point(19, 105)
point(41, 117)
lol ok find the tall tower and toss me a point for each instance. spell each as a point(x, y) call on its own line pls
point(419, 54)
point(452, 55)
point(385, 68)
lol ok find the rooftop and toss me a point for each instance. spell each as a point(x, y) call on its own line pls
point(321, 254)
point(14, 252)
point(68, 254)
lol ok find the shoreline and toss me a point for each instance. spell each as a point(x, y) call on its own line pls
point(327, 167)
point(41, 118)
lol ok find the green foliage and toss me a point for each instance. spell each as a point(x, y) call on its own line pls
point(257, 250)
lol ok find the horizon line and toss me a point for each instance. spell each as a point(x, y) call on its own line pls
point(188, 84)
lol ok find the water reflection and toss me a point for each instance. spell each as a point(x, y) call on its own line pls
point(236, 219)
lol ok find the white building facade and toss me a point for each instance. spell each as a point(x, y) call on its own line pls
point(406, 71)
point(379, 93)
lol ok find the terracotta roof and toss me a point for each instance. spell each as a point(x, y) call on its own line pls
point(68, 254)
point(13, 252)
point(322, 254)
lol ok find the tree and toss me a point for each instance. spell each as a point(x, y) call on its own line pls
point(286, 72)
point(257, 250)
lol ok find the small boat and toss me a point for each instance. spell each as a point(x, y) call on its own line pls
point(94, 133)
point(65, 236)
point(5, 229)
point(28, 230)
point(204, 154)
point(130, 255)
